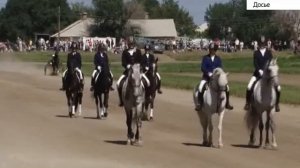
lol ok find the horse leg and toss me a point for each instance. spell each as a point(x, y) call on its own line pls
point(138, 123)
point(220, 126)
point(106, 96)
point(101, 106)
point(273, 129)
point(129, 129)
point(210, 128)
point(79, 104)
point(69, 104)
point(267, 141)
point(261, 128)
point(203, 120)
point(151, 107)
point(97, 106)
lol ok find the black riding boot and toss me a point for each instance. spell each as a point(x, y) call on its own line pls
point(92, 84)
point(200, 100)
point(277, 108)
point(248, 97)
point(111, 83)
point(228, 106)
point(158, 86)
point(63, 88)
point(120, 93)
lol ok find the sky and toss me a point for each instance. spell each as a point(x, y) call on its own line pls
point(196, 8)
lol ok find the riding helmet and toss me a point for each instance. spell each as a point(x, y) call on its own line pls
point(213, 46)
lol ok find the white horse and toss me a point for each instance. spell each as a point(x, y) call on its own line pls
point(214, 100)
point(133, 95)
point(264, 98)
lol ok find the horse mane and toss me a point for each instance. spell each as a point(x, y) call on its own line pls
point(218, 71)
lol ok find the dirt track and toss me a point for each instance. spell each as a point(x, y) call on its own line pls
point(35, 131)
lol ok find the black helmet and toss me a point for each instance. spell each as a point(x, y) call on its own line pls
point(101, 47)
point(74, 45)
point(147, 47)
point(213, 46)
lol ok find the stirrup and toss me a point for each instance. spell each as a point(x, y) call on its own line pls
point(247, 106)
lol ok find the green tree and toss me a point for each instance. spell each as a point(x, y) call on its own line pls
point(183, 21)
point(110, 23)
point(24, 18)
point(78, 8)
point(245, 24)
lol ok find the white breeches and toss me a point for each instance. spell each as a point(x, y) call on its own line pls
point(202, 83)
point(157, 74)
point(120, 79)
point(146, 79)
point(80, 73)
point(251, 82)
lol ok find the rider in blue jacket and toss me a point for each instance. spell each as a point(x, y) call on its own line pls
point(101, 64)
point(209, 63)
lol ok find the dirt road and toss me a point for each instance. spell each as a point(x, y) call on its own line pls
point(35, 131)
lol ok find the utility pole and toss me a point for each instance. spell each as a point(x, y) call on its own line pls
point(58, 35)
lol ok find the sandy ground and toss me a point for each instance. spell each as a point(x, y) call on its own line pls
point(35, 131)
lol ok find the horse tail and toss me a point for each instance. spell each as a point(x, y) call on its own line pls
point(251, 118)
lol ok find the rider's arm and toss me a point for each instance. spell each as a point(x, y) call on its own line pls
point(204, 67)
point(124, 62)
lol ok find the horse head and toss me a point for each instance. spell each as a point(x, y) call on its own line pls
point(135, 78)
point(271, 71)
point(219, 80)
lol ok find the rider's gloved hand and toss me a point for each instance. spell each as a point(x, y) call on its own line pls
point(128, 66)
point(99, 68)
point(147, 68)
point(261, 72)
point(210, 74)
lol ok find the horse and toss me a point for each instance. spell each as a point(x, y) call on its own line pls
point(263, 100)
point(73, 92)
point(214, 100)
point(150, 91)
point(102, 87)
point(133, 96)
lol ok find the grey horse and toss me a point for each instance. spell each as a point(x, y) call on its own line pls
point(263, 100)
point(133, 95)
point(214, 100)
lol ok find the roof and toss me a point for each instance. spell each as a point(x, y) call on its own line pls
point(149, 28)
point(80, 28)
point(155, 27)
point(202, 27)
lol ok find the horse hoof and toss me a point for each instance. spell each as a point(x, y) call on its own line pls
point(138, 143)
point(274, 146)
point(128, 141)
point(105, 114)
point(267, 146)
point(205, 143)
point(151, 119)
point(220, 146)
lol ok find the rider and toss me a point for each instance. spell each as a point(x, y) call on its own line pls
point(101, 62)
point(55, 61)
point(260, 58)
point(209, 63)
point(147, 61)
point(74, 58)
point(129, 57)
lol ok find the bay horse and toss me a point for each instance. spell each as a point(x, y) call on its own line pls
point(150, 93)
point(74, 90)
point(101, 92)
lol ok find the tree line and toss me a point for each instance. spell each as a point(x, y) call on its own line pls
point(23, 19)
point(232, 20)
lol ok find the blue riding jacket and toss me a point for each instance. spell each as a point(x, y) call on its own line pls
point(207, 65)
point(101, 59)
point(260, 61)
